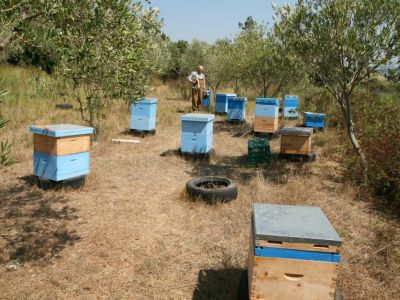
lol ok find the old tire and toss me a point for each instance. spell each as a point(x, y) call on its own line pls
point(64, 106)
point(212, 189)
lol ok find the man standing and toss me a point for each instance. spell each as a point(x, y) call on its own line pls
point(198, 80)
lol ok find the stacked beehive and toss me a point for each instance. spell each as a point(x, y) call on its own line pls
point(61, 151)
point(266, 115)
point(237, 108)
point(294, 253)
point(314, 120)
point(259, 152)
point(144, 115)
point(197, 133)
point(221, 102)
point(291, 106)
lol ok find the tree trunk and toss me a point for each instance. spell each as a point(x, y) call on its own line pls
point(347, 112)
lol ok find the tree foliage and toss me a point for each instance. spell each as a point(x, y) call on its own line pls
point(105, 49)
point(342, 42)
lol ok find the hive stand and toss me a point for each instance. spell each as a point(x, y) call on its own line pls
point(296, 144)
point(266, 115)
point(291, 107)
point(144, 117)
point(237, 109)
point(221, 102)
point(314, 120)
point(294, 253)
point(197, 135)
point(61, 152)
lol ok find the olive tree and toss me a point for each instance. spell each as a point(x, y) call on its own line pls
point(20, 18)
point(106, 55)
point(342, 42)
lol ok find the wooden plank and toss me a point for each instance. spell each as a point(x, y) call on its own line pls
point(62, 145)
point(276, 278)
point(266, 124)
point(293, 144)
point(298, 246)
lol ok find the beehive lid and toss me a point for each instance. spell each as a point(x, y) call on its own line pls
point(296, 131)
point(226, 94)
point(238, 98)
point(293, 224)
point(311, 114)
point(198, 117)
point(268, 101)
point(148, 101)
point(291, 97)
point(60, 130)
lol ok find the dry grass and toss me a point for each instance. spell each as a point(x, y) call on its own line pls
point(131, 233)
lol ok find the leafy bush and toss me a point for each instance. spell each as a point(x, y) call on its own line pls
point(378, 122)
point(5, 148)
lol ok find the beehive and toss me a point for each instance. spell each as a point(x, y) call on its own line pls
point(294, 253)
point(259, 151)
point(266, 115)
point(197, 133)
point(237, 108)
point(221, 102)
point(290, 106)
point(314, 120)
point(296, 140)
point(206, 101)
point(144, 115)
point(61, 151)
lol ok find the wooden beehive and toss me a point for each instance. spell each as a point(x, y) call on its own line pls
point(294, 253)
point(296, 140)
point(266, 124)
point(61, 145)
point(61, 151)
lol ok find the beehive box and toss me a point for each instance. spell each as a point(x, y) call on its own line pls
point(290, 106)
point(266, 115)
point(237, 108)
point(61, 151)
point(294, 253)
point(206, 101)
point(259, 151)
point(296, 140)
point(221, 102)
point(197, 133)
point(144, 115)
point(314, 120)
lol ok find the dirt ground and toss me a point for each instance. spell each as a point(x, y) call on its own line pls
point(131, 233)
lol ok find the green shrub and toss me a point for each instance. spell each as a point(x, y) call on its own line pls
point(378, 126)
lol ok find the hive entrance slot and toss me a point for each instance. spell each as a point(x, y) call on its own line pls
point(275, 242)
point(293, 277)
point(321, 246)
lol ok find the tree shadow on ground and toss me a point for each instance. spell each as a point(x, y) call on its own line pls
point(235, 129)
point(34, 225)
point(218, 283)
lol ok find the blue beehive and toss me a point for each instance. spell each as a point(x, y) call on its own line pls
point(68, 141)
point(237, 108)
point(197, 133)
point(288, 245)
point(144, 115)
point(267, 107)
point(206, 100)
point(290, 106)
point(221, 102)
point(314, 120)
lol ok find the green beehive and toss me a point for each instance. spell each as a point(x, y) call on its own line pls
point(259, 151)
